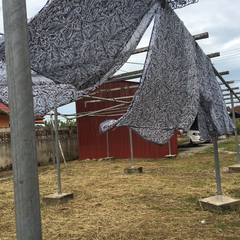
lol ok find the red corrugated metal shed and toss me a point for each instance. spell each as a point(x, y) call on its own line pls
point(92, 144)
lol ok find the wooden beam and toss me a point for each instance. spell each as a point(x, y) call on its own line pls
point(125, 74)
point(140, 50)
point(228, 94)
point(228, 82)
point(196, 37)
point(223, 90)
point(137, 74)
point(213, 55)
point(224, 73)
point(125, 78)
point(229, 98)
point(201, 36)
point(231, 103)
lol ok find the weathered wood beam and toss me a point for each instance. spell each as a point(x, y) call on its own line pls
point(228, 94)
point(223, 90)
point(196, 37)
point(229, 98)
point(106, 99)
point(224, 73)
point(137, 74)
point(228, 82)
point(229, 88)
point(201, 36)
point(231, 103)
point(213, 55)
point(126, 74)
point(125, 78)
point(114, 89)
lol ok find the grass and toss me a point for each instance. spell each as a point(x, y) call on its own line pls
point(160, 203)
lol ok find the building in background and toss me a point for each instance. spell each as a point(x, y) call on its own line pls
point(92, 144)
point(4, 117)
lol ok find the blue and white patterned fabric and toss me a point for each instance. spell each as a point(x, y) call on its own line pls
point(77, 45)
point(213, 119)
point(177, 83)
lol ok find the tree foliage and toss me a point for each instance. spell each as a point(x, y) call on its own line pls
point(61, 123)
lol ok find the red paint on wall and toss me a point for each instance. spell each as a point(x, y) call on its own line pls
point(92, 144)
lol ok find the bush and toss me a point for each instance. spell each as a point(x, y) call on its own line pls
point(61, 123)
point(238, 126)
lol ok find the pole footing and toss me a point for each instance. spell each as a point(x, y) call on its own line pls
point(234, 168)
point(131, 170)
point(216, 205)
point(171, 156)
point(56, 198)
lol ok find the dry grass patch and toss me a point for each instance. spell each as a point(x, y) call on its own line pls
point(160, 203)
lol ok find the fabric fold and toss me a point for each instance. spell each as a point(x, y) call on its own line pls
point(177, 83)
point(75, 46)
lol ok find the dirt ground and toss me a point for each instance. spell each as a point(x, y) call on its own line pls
point(160, 203)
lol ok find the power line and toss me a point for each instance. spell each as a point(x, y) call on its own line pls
point(226, 58)
point(230, 50)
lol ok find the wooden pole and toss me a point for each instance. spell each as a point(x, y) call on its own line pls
point(228, 82)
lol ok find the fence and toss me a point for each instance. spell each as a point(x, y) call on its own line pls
point(67, 136)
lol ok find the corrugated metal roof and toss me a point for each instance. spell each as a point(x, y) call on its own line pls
point(4, 109)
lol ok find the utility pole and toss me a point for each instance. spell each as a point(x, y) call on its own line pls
point(23, 136)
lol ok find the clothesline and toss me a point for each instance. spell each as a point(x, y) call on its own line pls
point(177, 83)
point(74, 53)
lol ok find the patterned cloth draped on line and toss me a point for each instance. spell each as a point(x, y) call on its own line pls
point(177, 83)
point(77, 45)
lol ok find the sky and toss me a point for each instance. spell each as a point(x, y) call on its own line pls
point(220, 18)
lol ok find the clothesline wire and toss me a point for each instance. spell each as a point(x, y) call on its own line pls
point(144, 50)
point(231, 50)
point(224, 59)
point(135, 63)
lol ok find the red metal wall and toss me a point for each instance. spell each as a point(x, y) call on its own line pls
point(92, 144)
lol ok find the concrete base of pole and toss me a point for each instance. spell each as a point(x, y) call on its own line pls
point(171, 156)
point(106, 159)
point(235, 168)
point(133, 170)
point(216, 205)
point(56, 198)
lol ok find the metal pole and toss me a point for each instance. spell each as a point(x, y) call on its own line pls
point(130, 136)
point(53, 144)
point(60, 147)
point(57, 151)
point(23, 135)
point(234, 121)
point(169, 147)
point(107, 143)
point(219, 188)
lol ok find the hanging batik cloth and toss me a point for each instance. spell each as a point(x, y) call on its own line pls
point(77, 45)
point(177, 83)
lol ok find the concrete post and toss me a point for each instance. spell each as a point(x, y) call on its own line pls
point(234, 121)
point(57, 151)
point(23, 135)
